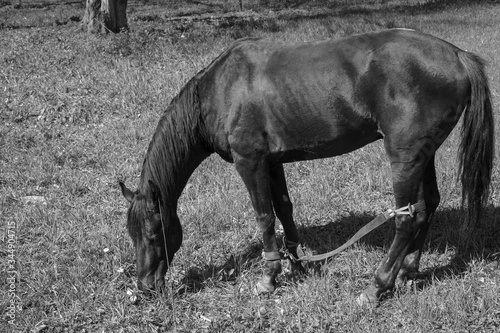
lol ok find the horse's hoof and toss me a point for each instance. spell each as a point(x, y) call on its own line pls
point(366, 301)
point(406, 280)
point(265, 286)
point(400, 281)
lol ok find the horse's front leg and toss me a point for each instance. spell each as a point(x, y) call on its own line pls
point(255, 175)
point(284, 210)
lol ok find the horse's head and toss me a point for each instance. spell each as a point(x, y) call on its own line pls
point(152, 237)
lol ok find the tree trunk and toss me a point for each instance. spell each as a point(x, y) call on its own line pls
point(115, 14)
point(105, 16)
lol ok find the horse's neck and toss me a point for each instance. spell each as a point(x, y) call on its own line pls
point(170, 162)
point(197, 154)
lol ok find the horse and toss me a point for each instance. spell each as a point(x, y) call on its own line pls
point(262, 103)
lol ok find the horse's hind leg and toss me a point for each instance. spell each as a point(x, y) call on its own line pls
point(407, 172)
point(284, 210)
point(255, 175)
point(431, 196)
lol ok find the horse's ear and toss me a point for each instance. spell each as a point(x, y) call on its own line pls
point(155, 191)
point(128, 194)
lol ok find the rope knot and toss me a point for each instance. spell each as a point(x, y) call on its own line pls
point(407, 210)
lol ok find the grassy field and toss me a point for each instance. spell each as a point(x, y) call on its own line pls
point(77, 112)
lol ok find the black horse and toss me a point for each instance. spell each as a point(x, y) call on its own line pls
point(262, 103)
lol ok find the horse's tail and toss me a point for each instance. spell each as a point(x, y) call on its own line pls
point(477, 146)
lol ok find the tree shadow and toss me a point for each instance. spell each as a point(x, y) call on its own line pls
point(353, 8)
point(207, 4)
point(301, 11)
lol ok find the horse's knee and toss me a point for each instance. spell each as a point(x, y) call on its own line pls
point(266, 222)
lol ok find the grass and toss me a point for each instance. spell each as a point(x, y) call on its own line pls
point(77, 113)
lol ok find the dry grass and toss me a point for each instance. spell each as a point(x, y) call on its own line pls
point(77, 113)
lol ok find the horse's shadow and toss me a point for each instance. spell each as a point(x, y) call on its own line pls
point(444, 234)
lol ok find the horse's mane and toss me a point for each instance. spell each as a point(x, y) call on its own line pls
point(174, 134)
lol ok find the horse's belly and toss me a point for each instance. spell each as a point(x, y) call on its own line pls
point(282, 152)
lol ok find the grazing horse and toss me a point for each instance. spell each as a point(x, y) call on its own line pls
point(261, 104)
